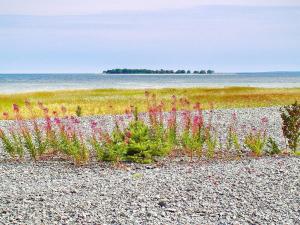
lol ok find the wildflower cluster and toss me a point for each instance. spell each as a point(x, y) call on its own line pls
point(183, 131)
point(51, 136)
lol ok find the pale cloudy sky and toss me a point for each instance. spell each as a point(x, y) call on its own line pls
point(71, 7)
point(92, 35)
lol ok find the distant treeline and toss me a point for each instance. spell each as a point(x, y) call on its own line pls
point(145, 71)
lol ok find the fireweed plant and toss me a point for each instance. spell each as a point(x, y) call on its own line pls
point(50, 136)
point(141, 138)
point(192, 138)
point(232, 138)
point(256, 139)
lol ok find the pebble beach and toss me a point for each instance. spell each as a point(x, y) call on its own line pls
point(247, 191)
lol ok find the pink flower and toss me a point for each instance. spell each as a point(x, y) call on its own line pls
point(16, 108)
point(70, 132)
point(5, 115)
point(48, 123)
point(128, 134)
point(234, 116)
point(197, 106)
point(186, 119)
point(170, 122)
point(264, 120)
point(57, 121)
point(197, 124)
point(76, 121)
point(94, 124)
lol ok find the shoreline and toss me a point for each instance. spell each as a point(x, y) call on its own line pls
point(151, 88)
point(18, 83)
point(220, 87)
point(98, 101)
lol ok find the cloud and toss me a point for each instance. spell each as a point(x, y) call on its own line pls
point(79, 7)
point(223, 38)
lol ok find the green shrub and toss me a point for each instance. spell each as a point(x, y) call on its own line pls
point(70, 144)
point(273, 148)
point(29, 144)
point(256, 142)
point(34, 141)
point(12, 144)
point(78, 150)
point(136, 143)
point(193, 143)
point(140, 146)
point(290, 115)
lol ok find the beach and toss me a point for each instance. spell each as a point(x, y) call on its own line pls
point(250, 191)
point(170, 191)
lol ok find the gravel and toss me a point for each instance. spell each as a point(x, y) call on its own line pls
point(250, 191)
point(247, 191)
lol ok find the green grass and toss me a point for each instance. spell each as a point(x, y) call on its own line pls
point(112, 101)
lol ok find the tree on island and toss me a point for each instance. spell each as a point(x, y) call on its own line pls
point(180, 71)
point(161, 71)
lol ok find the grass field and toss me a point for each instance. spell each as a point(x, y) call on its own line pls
point(113, 101)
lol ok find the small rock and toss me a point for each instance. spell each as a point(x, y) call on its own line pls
point(171, 210)
point(162, 203)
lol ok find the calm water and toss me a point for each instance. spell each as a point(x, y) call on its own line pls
point(14, 83)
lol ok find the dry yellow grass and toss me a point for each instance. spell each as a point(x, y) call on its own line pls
point(99, 101)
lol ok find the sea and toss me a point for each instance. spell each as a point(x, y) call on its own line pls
point(20, 83)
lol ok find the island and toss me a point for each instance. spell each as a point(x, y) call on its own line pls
point(161, 71)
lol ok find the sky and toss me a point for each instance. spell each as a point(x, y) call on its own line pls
point(57, 36)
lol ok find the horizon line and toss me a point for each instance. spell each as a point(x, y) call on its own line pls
point(240, 72)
